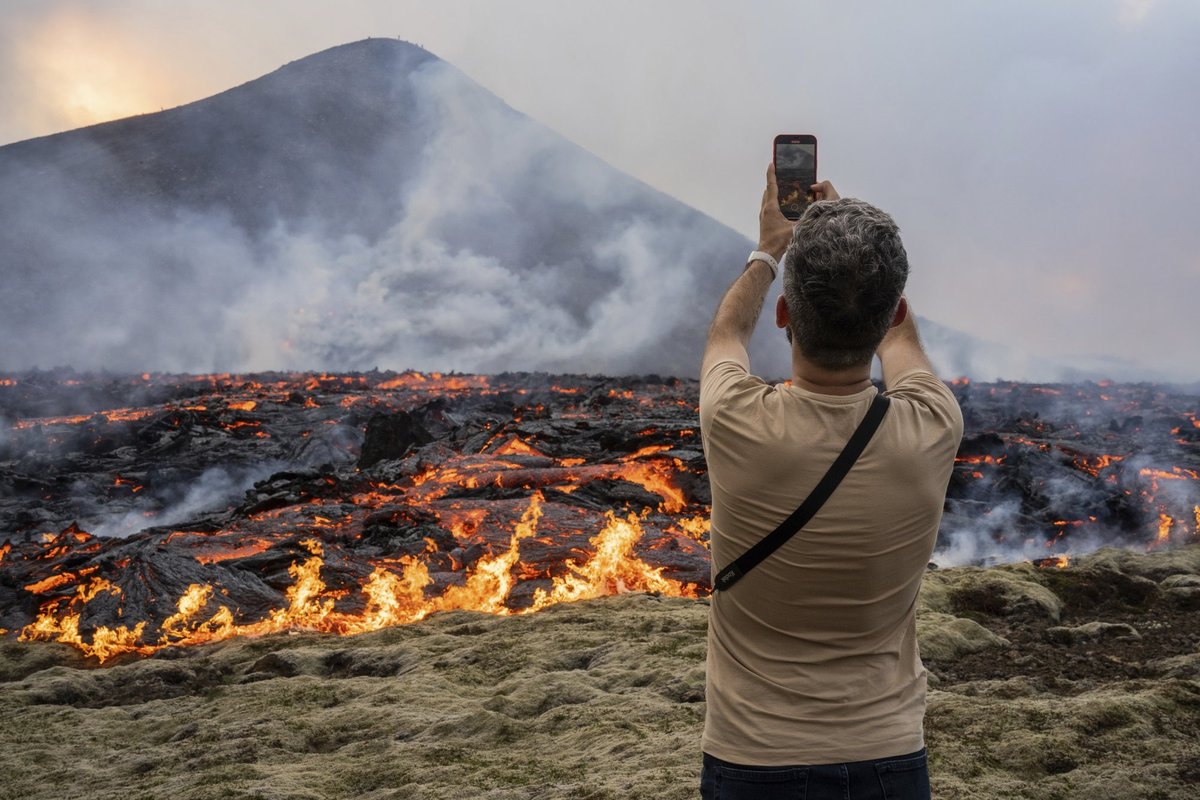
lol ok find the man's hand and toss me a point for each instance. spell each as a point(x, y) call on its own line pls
point(774, 229)
point(824, 191)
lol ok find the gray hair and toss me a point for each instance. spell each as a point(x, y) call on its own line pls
point(843, 274)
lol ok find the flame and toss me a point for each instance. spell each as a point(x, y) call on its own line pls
point(612, 569)
point(193, 601)
point(97, 585)
point(1164, 529)
point(306, 608)
point(390, 598)
point(106, 642)
point(695, 527)
point(395, 599)
point(490, 580)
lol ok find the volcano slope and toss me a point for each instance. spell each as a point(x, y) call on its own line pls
point(1045, 682)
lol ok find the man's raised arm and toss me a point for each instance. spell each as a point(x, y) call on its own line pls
point(737, 314)
point(901, 350)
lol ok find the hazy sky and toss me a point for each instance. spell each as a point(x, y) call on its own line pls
point(1040, 157)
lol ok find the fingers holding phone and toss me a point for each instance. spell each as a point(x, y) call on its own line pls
point(774, 229)
point(824, 191)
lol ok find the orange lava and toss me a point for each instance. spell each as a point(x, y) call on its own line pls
point(391, 598)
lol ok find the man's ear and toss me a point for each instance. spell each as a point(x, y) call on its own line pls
point(901, 311)
point(781, 313)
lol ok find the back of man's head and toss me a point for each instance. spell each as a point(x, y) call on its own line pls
point(843, 275)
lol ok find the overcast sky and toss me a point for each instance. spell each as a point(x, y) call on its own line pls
point(1040, 157)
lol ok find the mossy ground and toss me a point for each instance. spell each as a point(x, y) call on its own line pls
point(604, 699)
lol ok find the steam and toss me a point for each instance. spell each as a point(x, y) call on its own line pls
point(989, 539)
point(1001, 530)
point(215, 490)
point(513, 250)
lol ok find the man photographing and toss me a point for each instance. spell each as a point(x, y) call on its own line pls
point(815, 686)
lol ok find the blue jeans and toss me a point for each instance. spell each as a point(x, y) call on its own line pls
point(895, 778)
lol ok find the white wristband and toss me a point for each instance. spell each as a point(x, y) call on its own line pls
point(766, 258)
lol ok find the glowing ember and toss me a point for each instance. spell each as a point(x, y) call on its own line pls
point(1096, 464)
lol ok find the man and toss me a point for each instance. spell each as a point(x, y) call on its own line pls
point(815, 685)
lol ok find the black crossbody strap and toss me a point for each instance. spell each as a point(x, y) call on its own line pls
point(812, 504)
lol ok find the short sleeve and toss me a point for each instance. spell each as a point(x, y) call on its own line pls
point(930, 398)
point(724, 380)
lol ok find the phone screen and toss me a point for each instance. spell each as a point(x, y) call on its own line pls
point(795, 173)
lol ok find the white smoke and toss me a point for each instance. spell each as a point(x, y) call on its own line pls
point(215, 490)
point(477, 274)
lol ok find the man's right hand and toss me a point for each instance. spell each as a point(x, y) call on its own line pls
point(824, 191)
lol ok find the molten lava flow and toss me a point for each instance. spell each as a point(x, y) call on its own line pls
point(1176, 474)
point(656, 476)
point(993, 460)
point(112, 415)
point(515, 446)
point(390, 598)
point(418, 534)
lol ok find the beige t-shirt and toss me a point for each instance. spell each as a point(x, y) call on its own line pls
point(812, 655)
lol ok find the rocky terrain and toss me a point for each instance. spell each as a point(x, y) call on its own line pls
point(1046, 682)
